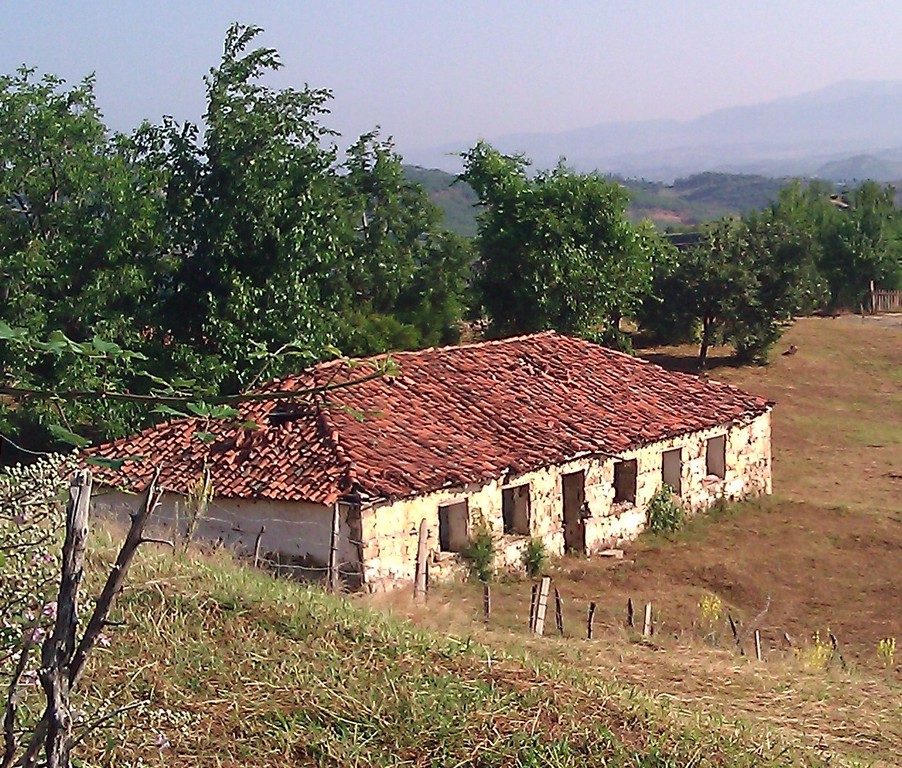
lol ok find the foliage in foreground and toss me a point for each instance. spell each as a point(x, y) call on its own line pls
point(235, 667)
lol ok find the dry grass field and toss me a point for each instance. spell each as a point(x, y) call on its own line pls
point(824, 555)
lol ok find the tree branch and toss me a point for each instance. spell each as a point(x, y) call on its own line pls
point(152, 399)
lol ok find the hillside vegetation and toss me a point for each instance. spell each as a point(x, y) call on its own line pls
point(236, 668)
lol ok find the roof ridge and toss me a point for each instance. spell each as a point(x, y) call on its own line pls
point(353, 361)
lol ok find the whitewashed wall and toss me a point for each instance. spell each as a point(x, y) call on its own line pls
point(297, 531)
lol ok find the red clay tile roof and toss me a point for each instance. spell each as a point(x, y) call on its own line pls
point(451, 416)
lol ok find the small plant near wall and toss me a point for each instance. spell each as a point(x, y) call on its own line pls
point(665, 514)
point(480, 552)
point(535, 557)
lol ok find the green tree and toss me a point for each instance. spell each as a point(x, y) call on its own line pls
point(856, 237)
point(740, 285)
point(555, 249)
point(405, 282)
point(79, 245)
point(254, 217)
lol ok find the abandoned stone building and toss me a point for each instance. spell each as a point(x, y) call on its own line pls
point(540, 436)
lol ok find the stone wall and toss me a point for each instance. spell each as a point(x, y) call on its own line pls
point(390, 528)
point(383, 536)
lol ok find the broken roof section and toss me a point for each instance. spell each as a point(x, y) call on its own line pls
point(452, 416)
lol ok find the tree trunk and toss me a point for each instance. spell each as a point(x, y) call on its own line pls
point(706, 342)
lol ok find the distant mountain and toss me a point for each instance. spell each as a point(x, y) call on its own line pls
point(803, 135)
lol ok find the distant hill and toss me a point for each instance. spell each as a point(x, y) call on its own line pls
point(688, 201)
point(456, 198)
point(805, 135)
point(699, 198)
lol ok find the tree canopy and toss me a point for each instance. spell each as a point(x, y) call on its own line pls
point(205, 251)
point(556, 250)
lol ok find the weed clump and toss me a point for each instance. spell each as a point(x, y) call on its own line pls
point(665, 514)
point(535, 557)
point(480, 553)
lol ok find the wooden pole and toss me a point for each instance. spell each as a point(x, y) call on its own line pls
point(558, 612)
point(486, 601)
point(630, 616)
point(758, 645)
point(257, 542)
point(60, 647)
point(333, 548)
point(533, 602)
point(419, 585)
point(735, 630)
point(542, 605)
point(647, 628)
point(590, 622)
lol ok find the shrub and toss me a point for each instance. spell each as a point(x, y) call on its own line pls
point(480, 553)
point(535, 556)
point(665, 515)
point(31, 518)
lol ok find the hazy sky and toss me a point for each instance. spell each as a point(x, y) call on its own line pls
point(432, 72)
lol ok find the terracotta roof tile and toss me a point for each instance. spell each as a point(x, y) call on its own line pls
point(454, 415)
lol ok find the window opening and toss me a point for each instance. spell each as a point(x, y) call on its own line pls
point(515, 509)
point(453, 526)
point(716, 456)
point(625, 474)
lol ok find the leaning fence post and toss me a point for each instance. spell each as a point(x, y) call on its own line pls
point(558, 612)
point(419, 584)
point(533, 601)
point(647, 628)
point(590, 621)
point(542, 605)
point(486, 601)
point(333, 548)
point(257, 543)
point(59, 648)
point(630, 621)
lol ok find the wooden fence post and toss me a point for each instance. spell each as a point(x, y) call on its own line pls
point(558, 612)
point(257, 543)
point(419, 584)
point(542, 605)
point(333, 548)
point(590, 621)
point(58, 650)
point(758, 645)
point(647, 628)
point(486, 601)
point(836, 652)
point(736, 636)
point(630, 618)
point(533, 602)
